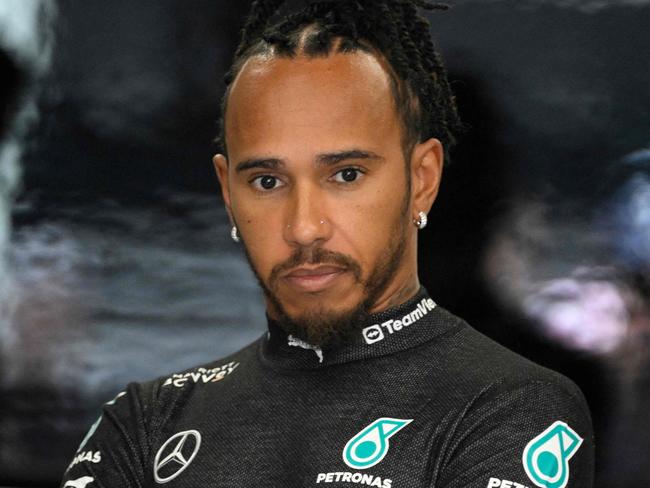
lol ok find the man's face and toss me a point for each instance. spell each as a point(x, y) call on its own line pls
point(317, 186)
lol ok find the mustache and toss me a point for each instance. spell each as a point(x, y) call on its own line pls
point(306, 255)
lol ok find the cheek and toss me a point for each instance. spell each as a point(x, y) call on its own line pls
point(261, 229)
point(369, 223)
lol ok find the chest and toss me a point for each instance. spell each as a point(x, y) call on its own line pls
point(335, 445)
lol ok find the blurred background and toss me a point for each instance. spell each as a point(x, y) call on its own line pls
point(115, 257)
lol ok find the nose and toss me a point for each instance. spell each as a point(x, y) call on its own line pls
point(306, 223)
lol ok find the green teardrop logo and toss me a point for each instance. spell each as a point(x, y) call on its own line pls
point(369, 446)
point(546, 457)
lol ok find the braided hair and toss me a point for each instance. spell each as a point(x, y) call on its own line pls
point(393, 29)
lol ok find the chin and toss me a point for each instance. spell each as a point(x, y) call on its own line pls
point(321, 325)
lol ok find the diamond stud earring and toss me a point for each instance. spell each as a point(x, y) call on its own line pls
point(421, 223)
point(233, 233)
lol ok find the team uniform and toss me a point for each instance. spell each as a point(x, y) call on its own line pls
point(418, 399)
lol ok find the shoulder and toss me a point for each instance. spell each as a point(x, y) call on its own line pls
point(212, 372)
point(216, 371)
point(151, 400)
point(474, 367)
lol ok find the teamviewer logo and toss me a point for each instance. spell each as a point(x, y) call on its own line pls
point(372, 334)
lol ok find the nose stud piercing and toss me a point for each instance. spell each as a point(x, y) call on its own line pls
point(233, 233)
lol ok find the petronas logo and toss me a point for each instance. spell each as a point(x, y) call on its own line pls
point(546, 457)
point(369, 446)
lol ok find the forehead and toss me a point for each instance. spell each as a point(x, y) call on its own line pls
point(304, 105)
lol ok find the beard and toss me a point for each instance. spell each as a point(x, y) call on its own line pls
point(321, 326)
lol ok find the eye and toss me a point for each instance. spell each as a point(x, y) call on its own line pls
point(347, 175)
point(265, 182)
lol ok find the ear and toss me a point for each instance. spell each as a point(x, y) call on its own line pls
point(221, 167)
point(426, 171)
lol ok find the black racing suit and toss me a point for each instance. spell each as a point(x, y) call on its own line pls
point(419, 399)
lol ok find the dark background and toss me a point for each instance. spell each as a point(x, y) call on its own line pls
point(119, 264)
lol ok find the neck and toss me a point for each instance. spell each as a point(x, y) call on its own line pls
point(397, 293)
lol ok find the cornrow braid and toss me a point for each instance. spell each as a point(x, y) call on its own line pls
point(258, 17)
point(392, 28)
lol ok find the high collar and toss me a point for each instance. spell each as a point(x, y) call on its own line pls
point(409, 324)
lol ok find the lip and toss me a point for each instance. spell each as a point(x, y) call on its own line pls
point(313, 279)
point(318, 270)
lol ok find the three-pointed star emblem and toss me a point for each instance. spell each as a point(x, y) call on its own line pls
point(175, 455)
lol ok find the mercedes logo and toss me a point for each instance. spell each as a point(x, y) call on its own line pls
point(175, 455)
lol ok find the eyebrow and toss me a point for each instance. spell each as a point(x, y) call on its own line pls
point(325, 159)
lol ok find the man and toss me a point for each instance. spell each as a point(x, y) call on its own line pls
point(336, 122)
